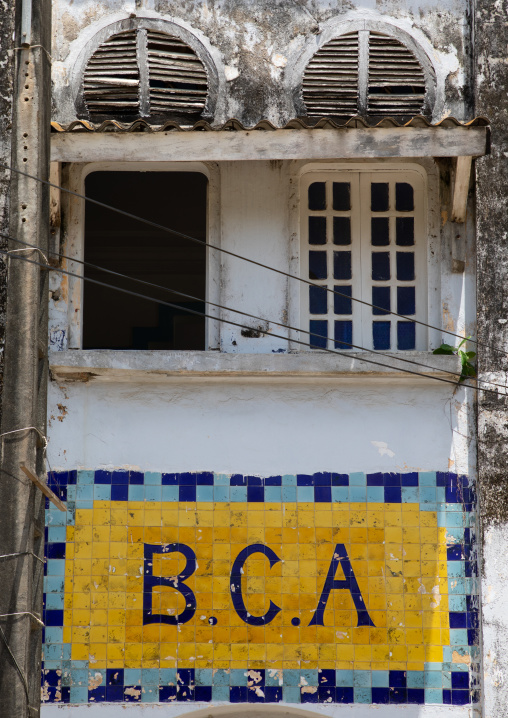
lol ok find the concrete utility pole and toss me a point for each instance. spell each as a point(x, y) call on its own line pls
point(26, 368)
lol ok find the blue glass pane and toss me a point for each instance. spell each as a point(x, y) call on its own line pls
point(319, 327)
point(405, 231)
point(343, 334)
point(341, 230)
point(381, 298)
point(381, 335)
point(380, 266)
point(342, 265)
point(405, 266)
point(317, 196)
point(317, 265)
point(318, 300)
point(379, 196)
point(406, 336)
point(341, 196)
point(406, 303)
point(380, 231)
point(404, 197)
point(342, 305)
point(317, 230)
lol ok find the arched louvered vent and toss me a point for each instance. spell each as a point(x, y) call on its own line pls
point(145, 73)
point(396, 78)
point(330, 82)
point(365, 73)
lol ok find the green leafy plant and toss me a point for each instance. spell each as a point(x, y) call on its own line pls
point(468, 369)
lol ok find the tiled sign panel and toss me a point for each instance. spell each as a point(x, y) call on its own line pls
point(329, 588)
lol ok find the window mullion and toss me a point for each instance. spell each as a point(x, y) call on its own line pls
point(363, 71)
point(144, 80)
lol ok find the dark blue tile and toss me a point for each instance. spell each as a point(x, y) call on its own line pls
point(441, 477)
point(326, 677)
point(255, 494)
point(238, 480)
point(342, 304)
point(325, 693)
point(380, 695)
point(65, 693)
point(120, 492)
point(203, 694)
point(72, 477)
point(318, 329)
point(55, 550)
point(132, 696)
point(393, 494)
point(185, 694)
point(322, 478)
point(114, 693)
point(381, 300)
point(273, 694)
point(187, 493)
point(398, 695)
point(170, 479)
point(57, 479)
point(460, 698)
point(397, 679)
point(98, 695)
point(340, 479)
point(304, 480)
point(54, 617)
point(322, 494)
point(102, 477)
point(273, 481)
point(167, 694)
point(62, 694)
point(120, 477)
point(52, 677)
point(375, 479)
point(344, 695)
point(309, 697)
point(204, 478)
point(61, 492)
point(187, 479)
point(410, 479)
point(186, 676)
point(458, 619)
point(406, 336)
point(392, 479)
point(473, 619)
point(136, 478)
point(447, 697)
point(254, 696)
point(238, 694)
point(254, 481)
point(343, 334)
point(454, 553)
point(416, 695)
point(114, 676)
point(318, 300)
point(460, 679)
point(381, 335)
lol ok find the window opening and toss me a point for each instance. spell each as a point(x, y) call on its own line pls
point(363, 235)
point(112, 320)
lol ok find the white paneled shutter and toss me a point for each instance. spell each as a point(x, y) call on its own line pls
point(365, 73)
point(144, 73)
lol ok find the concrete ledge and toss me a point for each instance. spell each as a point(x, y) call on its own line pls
point(156, 366)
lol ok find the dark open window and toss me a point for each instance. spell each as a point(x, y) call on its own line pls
point(114, 320)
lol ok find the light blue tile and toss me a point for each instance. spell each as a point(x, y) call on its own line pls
point(238, 493)
point(344, 678)
point(448, 653)
point(150, 677)
point(458, 637)
point(221, 493)
point(238, 677)
point(66, 651)
point(456, 569)
point(291, 677)
point(358, 493)
point(150, 694)
point(153, 493)
point(433, 695)
point(415, 679)
point(132, 677)
point(289, 494)
point(102, 492)
point(169, 493)
point(380, 679)
point(80, 664)
point(363, 695)
point(220, 693)
point(54, 634)
point(203, 676)
point(153, 478)
point(433, 679)
point(79, 694)
point(375, 494)
point(410, 494)
point(84, 493)
point(456, 585)
point(167, 676)
point(81, 504)
point(291, 694)
point(272, 677)
point(221, 480)
point(289, 480)
point(433, 666)
point(55, 567)
point(57, 518)
point(310, 675)
point(136, 493)
point(461, 667)
point(221, 678)
point(79, 677)
point(204, 493)
point(362, 679)
point(454, 508)
point(53, 652)
point(340, 494)
point(457, 603)
point(427, 495)
point(305, 494)
point(427, 478)
point(54, 584)
point(85, 477)
point(273, 494)
point(92, 672)
point(440, 494)
point(54, 601)
point(71, 492)
point(52, 665)
point(57, 534)
point(357, 478)
point(447, 679)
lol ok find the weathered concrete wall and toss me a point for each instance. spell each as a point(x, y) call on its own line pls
point(255, 46)
point(491, 37)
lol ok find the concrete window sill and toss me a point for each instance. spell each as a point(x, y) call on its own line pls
point(186, 366)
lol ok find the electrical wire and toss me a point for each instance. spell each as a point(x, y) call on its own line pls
point(183, 235)
point(228, 309)
point(243, 326)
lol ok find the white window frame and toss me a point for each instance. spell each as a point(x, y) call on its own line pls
point(427, 243)
point(72, 288)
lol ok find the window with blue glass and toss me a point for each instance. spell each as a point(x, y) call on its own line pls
point(364, 238)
